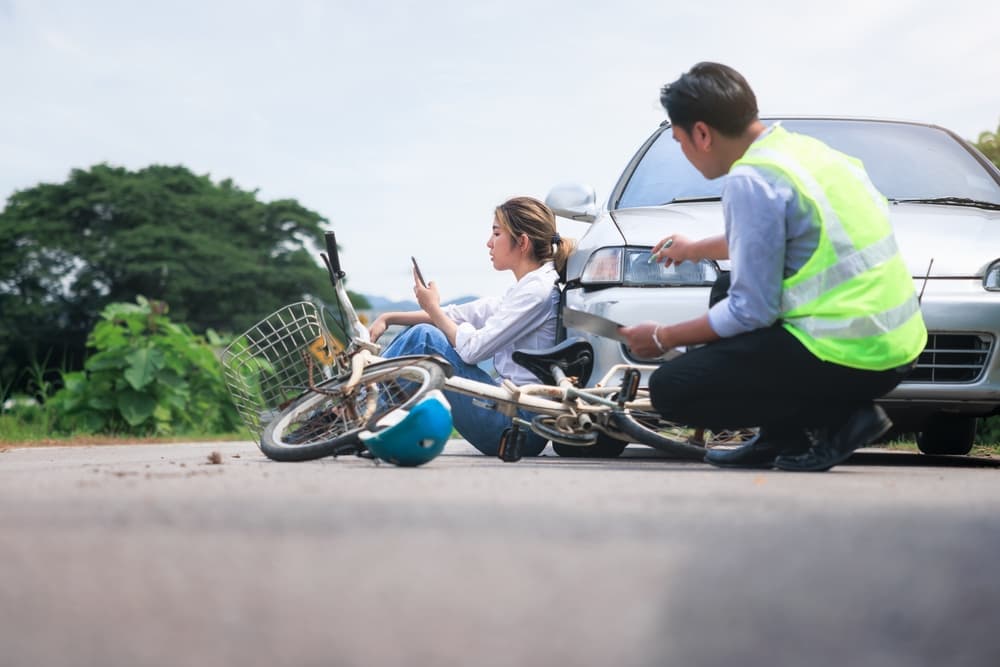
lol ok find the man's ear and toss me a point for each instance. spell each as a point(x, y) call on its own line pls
point(701, 136)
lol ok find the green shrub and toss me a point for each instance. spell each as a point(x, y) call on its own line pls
point(988, 431)
point(147, 376)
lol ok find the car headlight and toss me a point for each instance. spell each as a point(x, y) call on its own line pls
point(991, 280)
point(630, 266)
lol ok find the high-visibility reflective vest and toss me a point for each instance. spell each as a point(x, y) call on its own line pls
point(853, 302)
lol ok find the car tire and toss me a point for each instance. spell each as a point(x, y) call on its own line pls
point(606, 447)
point(947, 434)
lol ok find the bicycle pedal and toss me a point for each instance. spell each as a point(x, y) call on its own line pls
point(510, 444)
point(629, 387)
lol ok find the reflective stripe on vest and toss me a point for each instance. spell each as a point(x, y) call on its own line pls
point(846, 268)
point(859, 327)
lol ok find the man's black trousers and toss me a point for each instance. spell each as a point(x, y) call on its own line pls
point(763, 378)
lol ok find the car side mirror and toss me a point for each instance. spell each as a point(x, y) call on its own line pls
point(575, 201)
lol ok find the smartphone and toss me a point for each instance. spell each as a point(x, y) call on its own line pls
point(416, 269)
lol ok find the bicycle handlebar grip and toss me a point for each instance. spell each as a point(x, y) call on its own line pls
point(331, 251)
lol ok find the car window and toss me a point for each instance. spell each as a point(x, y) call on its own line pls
point(907, 161)
point(904, 162)
point(663, 175)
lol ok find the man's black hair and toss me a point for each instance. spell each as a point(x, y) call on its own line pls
point(714, 94)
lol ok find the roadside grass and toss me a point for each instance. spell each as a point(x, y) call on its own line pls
point(18, 431)
point(28, 425)
point(984, 450)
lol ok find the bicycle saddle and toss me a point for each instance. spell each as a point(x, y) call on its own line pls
point(574, 356)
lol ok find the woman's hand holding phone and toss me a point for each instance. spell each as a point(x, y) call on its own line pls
point(427, 294)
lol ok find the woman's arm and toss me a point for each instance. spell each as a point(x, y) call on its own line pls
point(526, 307)
point(406, 318)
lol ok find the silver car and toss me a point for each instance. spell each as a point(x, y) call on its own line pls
point(945, 207)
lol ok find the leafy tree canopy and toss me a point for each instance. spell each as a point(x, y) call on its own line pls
point(217, 255)
point(989, 144)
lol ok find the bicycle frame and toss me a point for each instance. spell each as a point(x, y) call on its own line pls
point(564, 401)
point(291, 355)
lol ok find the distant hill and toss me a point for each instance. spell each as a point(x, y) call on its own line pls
point(381, 304)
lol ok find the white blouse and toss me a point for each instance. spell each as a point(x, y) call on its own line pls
point(522, 319)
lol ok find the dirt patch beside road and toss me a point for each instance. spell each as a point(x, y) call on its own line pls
point(92, 440)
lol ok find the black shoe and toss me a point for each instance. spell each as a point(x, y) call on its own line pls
point(836, 445)
point(759, 452)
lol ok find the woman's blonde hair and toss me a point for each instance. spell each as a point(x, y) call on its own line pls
point(528, 216)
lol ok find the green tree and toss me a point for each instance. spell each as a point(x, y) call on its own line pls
point(220, 257)
point(989, 144)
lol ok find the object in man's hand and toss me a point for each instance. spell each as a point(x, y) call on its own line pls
point(602, 326)
point(655, 256)
point(595, 324)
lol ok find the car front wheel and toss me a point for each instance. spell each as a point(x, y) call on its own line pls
point(947, 434)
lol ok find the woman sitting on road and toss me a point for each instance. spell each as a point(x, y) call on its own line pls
point(524, 241)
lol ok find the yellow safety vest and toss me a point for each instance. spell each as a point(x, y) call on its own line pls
point(853, 302)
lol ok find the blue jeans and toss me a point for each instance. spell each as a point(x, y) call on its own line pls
point(482, 427)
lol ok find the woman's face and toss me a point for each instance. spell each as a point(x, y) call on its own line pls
point(503, 251)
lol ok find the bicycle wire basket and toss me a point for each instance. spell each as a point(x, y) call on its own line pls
point(271, 363)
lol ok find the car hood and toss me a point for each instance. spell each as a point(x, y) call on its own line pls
point(962, 241)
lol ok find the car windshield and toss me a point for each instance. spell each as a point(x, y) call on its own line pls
point(904, 161)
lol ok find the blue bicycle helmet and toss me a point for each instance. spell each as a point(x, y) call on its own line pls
point(411, 437)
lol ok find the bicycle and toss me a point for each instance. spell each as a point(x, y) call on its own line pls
point(307, 391)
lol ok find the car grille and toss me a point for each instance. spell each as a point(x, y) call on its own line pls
point(952, 358)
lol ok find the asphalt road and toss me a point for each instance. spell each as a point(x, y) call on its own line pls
point(152, 555)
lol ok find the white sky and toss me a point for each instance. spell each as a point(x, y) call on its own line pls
point(405, 123)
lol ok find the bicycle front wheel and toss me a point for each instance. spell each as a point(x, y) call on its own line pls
point(327, 421)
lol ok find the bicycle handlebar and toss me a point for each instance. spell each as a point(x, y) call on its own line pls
point(352, 324)
point(332, 258)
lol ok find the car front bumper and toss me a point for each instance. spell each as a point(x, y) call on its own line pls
point(959, 371)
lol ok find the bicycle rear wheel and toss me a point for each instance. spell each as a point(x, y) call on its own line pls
point(647, 428)
point(327, 422)
point(552, 429)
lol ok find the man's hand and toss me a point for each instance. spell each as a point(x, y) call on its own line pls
point(673, 249)
point(639, 339)
point(678, 248)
